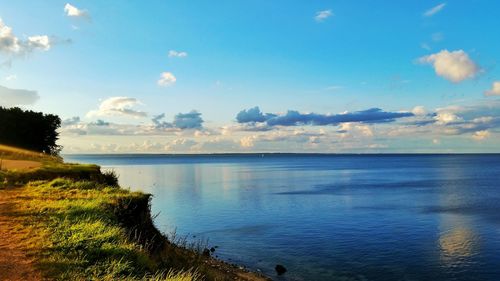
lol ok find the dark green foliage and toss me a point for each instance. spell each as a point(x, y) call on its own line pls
point(29, 130)
point(109, 178)
point(49, 171)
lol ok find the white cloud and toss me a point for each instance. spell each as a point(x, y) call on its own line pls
point(495, 89)
point(39, 41)
point(434, 10)
point(175, 145)
point(248, 141)
point(167, 79)
point(14, 97)
point(72, 11)
point(455, 66)
point(428, 130)
point(419, 110)
point(323, 15)
point(176, 54)
point(365, 130)
point(481, 135)
point(443, 118)
point(350, 130)
point(118, 106)
point(180, 145)
point(217, 145)
point(11, 44)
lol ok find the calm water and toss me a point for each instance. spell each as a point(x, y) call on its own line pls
point(396, 217)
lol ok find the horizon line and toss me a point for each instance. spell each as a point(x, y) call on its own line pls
point(283, 153)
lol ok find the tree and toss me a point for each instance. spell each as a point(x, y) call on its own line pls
point(29, 130)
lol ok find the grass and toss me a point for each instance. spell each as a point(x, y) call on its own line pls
point(79, 237)
point(51, 167)
point(10, 152)
point(50, 170)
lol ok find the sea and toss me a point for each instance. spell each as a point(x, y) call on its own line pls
point(328, 216)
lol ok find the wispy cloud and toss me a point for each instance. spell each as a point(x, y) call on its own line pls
point(334, 88)
point(14, 97)
point(481, 135)
point(323, 15)
point(434, 10)
point(177, 54)
point(425, 46)
point(455, 66)
point(476, 120)
point(10, 77)
point(437, 36)
point(167, 79)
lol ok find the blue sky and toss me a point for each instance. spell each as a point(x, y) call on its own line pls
point(102, 62)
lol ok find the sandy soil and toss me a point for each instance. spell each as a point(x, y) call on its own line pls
point(14, 264)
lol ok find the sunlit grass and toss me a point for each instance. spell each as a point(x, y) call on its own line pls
point(11, 152)
point(75, 233)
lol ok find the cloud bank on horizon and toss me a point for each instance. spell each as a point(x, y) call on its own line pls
point(131, 86)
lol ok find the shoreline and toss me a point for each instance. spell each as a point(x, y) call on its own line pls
point(129, 212)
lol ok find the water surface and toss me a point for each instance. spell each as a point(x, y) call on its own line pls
point(330, 217)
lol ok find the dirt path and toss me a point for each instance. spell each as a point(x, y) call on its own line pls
point(18, 164)
point(14, 264)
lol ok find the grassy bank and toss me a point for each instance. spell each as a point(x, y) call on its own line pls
point(80, 225)
point(77, 234)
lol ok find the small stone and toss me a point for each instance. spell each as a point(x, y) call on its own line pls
point(212, 249)
point(280, 269)
point(206, 252)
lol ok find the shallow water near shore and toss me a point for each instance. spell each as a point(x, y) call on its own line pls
point(330, 217)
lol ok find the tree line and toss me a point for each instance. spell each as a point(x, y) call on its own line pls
point(30, 130)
